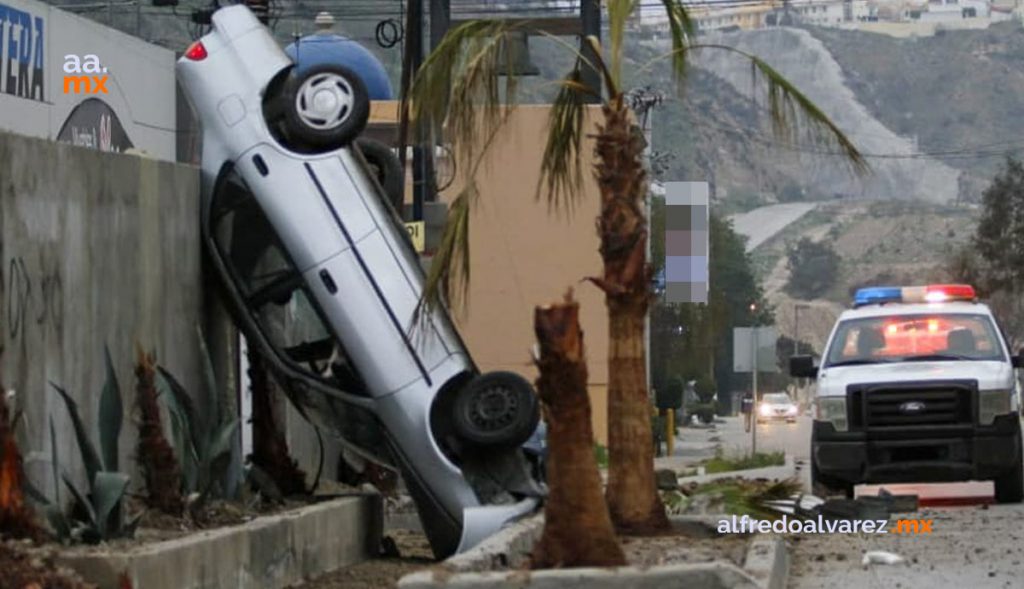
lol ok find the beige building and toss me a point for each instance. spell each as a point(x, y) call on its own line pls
point(524, 254)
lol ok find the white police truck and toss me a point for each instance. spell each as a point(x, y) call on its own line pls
point(916, 384)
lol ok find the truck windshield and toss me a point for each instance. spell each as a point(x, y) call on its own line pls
point(919, 337)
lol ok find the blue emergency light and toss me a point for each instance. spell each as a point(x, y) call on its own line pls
point(932, 293)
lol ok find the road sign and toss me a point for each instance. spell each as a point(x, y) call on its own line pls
point(743, 342)
point(417, 231)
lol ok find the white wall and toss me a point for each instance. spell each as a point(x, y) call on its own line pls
point(140, 86)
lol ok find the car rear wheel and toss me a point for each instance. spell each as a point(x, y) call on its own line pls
point(387, 169)
point(496, 409)
point(325, 107)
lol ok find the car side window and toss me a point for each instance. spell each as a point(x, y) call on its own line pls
point(272, 287)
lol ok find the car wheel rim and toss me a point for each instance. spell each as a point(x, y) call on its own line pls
point(324, 101)
point(493, 409)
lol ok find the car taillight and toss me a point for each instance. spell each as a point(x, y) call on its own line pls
point(196, 51)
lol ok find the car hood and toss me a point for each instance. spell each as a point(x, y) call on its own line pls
point(989, 374)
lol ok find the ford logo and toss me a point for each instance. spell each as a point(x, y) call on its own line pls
point(911, 407)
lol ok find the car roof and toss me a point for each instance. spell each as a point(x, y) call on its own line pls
point(889, 309)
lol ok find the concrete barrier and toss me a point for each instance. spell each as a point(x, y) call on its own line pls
point(501, 561)
point(270, 552)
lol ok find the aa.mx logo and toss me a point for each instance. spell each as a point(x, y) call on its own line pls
point(77, 83)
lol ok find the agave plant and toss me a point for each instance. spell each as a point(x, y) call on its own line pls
point(95, 515)
point(204, 440)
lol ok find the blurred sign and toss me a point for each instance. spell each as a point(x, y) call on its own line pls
point(417, 232)
point(686, 242)
point(742, 345)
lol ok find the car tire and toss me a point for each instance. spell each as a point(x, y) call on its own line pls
point(496, 409)
point(386, 168)
point(325, 107)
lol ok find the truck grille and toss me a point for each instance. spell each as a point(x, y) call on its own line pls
point(893, 406)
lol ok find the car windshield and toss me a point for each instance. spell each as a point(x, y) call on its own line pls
point(777, 399)
point(918, 337)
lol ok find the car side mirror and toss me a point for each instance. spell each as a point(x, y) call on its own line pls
point(802, 367)
point(1018, 360)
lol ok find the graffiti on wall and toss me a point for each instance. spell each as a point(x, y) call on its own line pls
point(33, 298)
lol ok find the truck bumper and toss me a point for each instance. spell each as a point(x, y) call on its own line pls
point(926, 454)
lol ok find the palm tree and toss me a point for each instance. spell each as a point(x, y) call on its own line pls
point(458, 91)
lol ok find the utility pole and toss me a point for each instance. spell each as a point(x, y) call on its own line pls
point(590, 19)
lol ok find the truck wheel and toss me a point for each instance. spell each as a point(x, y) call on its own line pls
point(496, 409)
point(386, 168)
point(823, 486)
point(1010, 486)
point(325, 107)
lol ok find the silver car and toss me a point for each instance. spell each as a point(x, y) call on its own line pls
point(323, 280)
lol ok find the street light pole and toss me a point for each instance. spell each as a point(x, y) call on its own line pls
point(753, 374)
point(796, 341)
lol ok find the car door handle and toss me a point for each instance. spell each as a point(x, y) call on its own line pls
point(328, 281)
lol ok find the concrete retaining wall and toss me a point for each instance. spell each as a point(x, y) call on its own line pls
point(97, 249)
point(268, 553)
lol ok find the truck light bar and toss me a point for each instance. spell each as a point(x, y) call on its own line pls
point(932, 293)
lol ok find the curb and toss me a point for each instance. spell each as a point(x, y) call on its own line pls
point(766, 566)
point(767, 561)
point(270, 552)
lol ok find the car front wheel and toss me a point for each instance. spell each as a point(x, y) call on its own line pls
point(325, 107)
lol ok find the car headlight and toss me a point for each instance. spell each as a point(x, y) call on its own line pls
point(991, 404)
point(833, 409)
point(765, 410)
point(792, 410)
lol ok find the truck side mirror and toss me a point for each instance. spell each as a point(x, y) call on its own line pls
point(802, 367)
point(1018, 360)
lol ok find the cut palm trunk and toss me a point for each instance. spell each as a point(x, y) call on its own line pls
point(578, 530)
point(270, 449)
point(16, 519)
point(632, 494)
point(160, 467)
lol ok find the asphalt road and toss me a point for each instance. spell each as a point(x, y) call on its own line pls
point(759, 225)
point(968, 546)
point(792, 438)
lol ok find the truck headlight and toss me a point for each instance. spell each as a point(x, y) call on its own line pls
point(833, 409)
point(991, 404)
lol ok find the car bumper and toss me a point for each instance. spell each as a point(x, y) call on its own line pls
point(925, 454)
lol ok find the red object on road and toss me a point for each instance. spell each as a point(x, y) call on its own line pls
point(937, 494)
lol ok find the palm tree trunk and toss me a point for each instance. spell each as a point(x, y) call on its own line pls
point(578, 531)
point(622, 227)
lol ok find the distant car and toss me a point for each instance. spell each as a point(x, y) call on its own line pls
point(323, 280)
point(777, 407)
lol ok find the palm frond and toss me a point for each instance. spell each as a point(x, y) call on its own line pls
point(458, 85)
point(448, 279)
point(561, 170)
point(619, 12)
point(792, 113)
point(681, 30)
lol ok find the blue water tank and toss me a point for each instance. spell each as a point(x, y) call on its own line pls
point(328, 47)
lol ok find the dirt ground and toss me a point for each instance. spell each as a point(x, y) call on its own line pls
point(687, 543)
point(380, 573)
point(21, 568)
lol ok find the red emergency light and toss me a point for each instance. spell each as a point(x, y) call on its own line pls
point(937, 293)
